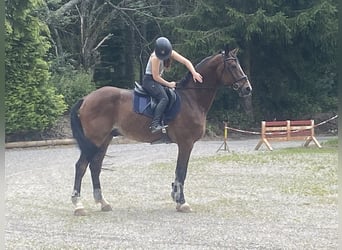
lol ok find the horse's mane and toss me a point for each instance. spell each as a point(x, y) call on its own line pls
point(186, 79)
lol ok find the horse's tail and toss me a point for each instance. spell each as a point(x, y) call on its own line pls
point(85, 145)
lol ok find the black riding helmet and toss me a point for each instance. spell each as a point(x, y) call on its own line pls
point(163, 48)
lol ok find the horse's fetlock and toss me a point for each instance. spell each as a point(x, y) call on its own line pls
point(177, 192)
point(75, 197)
point(98, 195)
point(76, 201)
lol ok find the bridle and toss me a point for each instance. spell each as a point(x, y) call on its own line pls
point(237, 82)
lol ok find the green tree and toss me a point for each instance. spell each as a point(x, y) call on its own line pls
point(291, 46)
point(110, 38)
point(31, 103)
point(287, 48)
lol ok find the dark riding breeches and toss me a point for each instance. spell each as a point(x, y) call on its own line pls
point(158, 92)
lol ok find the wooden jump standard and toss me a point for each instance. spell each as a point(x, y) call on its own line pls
point(286, 131)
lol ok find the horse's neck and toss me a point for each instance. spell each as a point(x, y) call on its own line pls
point(204, 93)
point(204, 98)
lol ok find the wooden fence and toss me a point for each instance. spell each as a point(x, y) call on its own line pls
point(287, 131)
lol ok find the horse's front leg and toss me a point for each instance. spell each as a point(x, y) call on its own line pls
point(95, 170)
point(177, 192)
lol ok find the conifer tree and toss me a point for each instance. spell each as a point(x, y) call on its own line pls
point(31, 103)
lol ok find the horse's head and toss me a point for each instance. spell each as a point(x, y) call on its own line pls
point(233, 75)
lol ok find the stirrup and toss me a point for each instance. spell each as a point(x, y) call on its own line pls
point(157, 128)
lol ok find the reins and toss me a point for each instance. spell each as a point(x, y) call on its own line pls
point(199, 88)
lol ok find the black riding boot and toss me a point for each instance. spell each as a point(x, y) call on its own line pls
point(156, 126)
point(158, 112)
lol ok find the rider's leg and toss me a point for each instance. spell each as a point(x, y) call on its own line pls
point(158, 113)
point(158, 92)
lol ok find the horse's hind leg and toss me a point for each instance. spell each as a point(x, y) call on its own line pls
point(80, 169)
point(95, 169)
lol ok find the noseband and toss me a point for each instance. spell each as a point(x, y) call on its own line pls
point(237, 82)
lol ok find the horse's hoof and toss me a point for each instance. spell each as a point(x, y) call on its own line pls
point(80, 212)
point(184, 208)
point(106, 208)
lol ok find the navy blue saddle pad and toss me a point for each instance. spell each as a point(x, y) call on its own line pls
point(142, 104)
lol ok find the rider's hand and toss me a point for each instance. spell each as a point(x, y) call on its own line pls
point(197, 77)
point(172, 85)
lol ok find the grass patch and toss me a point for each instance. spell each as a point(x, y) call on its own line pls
point(296, 171)
point(226, 207)
point(333, 143)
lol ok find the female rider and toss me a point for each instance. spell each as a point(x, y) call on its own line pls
point(154, 83)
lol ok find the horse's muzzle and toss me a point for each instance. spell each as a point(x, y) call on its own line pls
point(245, 90)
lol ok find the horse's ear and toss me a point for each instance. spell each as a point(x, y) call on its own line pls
point(234, 52)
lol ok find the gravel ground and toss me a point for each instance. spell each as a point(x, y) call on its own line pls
point(244, 199)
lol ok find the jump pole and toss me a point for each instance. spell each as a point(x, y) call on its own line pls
point(224, 144)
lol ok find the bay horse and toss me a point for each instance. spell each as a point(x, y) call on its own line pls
point(108, 111)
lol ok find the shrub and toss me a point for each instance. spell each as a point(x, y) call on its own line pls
point(73, 85)
point(31, 103)
point(32, 110)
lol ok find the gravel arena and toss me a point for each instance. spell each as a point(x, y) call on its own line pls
point(242, 199)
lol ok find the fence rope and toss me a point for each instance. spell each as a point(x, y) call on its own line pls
point(270, 133)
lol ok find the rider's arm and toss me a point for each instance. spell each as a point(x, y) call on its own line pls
point(178, 57)
point(155, 72)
